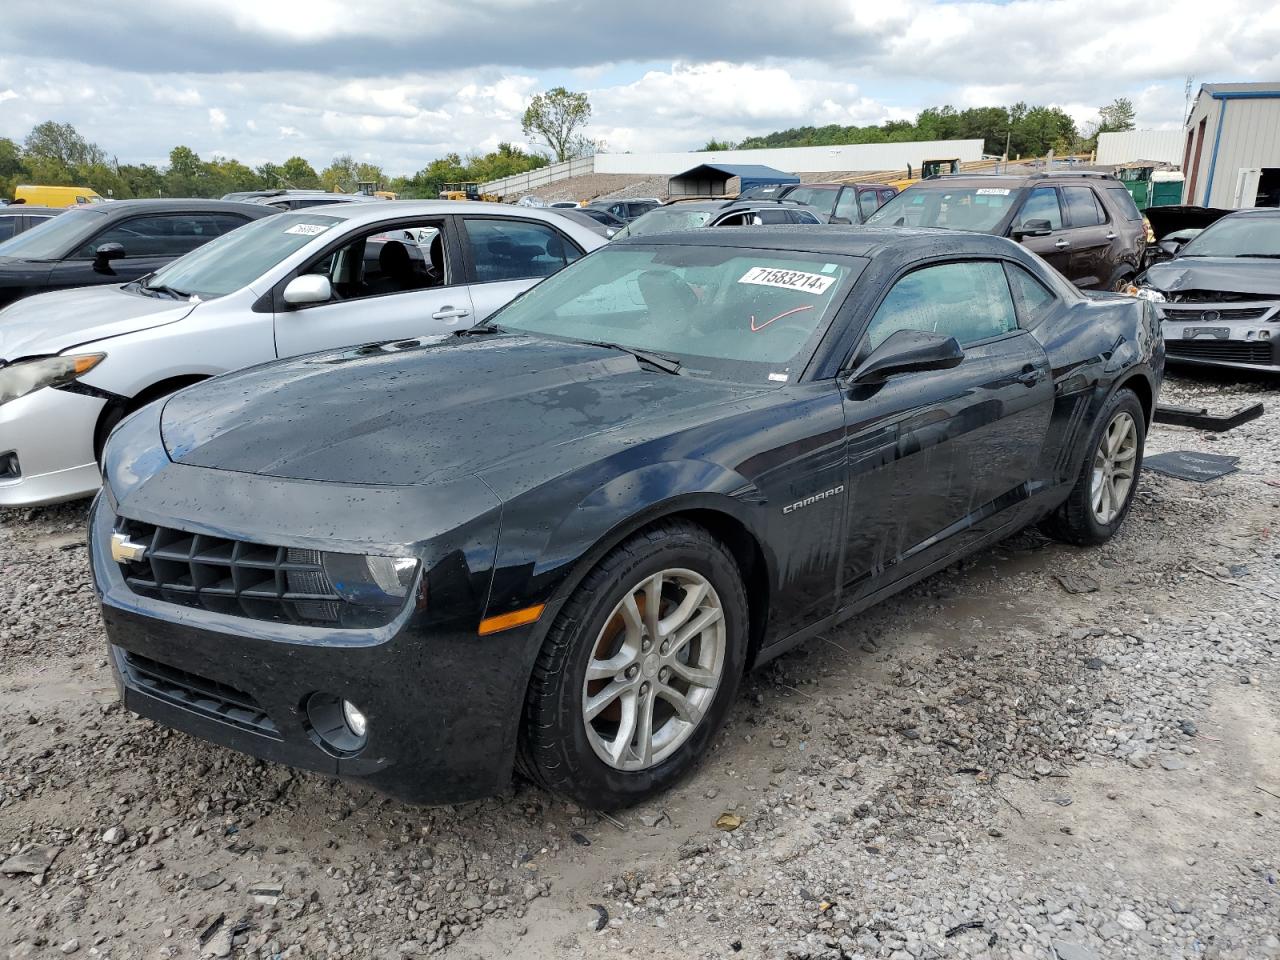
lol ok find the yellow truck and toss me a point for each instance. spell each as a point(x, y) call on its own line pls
point(55, 196)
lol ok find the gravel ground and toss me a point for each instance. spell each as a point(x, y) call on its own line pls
point(986, 765)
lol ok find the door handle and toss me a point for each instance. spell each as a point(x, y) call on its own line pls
point(1062, 244)
point(1029, 378)
point(450, 313)
point(1111, 236)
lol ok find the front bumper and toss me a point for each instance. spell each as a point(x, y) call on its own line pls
point(1243, 336)
point(442, 703)
point(51, 431)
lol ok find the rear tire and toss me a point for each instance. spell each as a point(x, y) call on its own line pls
point(624, 701)
point(1103, 492)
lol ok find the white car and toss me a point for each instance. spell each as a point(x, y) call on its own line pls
point(73, 363)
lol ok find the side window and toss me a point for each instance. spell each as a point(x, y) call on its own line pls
point(410, 257)
point(1123, 200)
point(1033, 299)
point(847, 205)
point(516, 249)
point(802, 216)
point(162, 236)
point(969, 301)
point(8, 227)
point(867, 203)
point(774, 216)
point(1042, 204)
point(886, 196)
point(1082, 207)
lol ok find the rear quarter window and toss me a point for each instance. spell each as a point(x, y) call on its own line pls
point(1123, 201)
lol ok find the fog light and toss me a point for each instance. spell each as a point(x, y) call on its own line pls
point(355, 719)
point(9, 469)
point(1264, 334)
point(336, 725)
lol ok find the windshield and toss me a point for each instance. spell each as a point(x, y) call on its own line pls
point(666, 220)
point(1233, 237)
point(824, 198)
point(54, 238)
point(236, 259)
point(964, 208)
point(729, 312)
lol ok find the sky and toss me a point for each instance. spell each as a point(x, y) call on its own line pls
point(402, 83)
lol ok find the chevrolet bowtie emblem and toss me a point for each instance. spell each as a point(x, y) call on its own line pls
point(124, 550)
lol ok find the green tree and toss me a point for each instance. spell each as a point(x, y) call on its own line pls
point(300, 174)
point(12, 168)
point(713, 145)
point(340, 174)
point(1116, 116)
point(557, 118)
point(60, 143)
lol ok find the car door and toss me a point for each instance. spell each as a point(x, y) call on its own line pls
point(868, 203)
point(390, 282)
point(1090, 237)
point(506, 256)
point(1044, 203)
point(936, 458)
point(149, 242)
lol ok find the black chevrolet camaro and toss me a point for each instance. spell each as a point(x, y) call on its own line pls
point(557, 540)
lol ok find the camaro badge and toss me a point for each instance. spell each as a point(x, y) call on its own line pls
point(791, 508)
point(124, 550)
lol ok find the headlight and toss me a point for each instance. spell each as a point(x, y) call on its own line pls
point(27, 376)
point(1144, 293)
point(370, 580)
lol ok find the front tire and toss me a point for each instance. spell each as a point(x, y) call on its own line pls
point(1103, 492)
point(639, 669)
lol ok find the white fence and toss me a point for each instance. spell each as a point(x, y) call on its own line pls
point(524, 182)
point(1163, 145)
point(850, 157)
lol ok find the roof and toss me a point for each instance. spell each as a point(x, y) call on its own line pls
point(963, 180)
point(1270, 86)
point(850, 241)
point(120, 208)
point(14, 209)
point(748, 170)
point(383, 210)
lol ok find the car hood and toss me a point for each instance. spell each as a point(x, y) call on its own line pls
point(425, 411)
point(1226, 274)
point(1170, 219)
point(49, 323)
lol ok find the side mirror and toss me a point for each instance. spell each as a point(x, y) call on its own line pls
point(105, 253)
point(1169, 248)
point(1033, 228)
point(908, 351)
point(308, 288)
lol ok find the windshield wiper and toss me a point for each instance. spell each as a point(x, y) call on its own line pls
point(1260, 256)
point(655, 360)
point(478, 329)
point(170, 291)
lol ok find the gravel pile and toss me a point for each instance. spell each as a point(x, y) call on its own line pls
point(1044, 752)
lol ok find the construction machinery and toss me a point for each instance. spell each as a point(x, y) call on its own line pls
point(467, 191)
point(928, 168)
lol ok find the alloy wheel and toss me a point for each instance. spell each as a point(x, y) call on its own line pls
point(1113, 468)
point(654, 670)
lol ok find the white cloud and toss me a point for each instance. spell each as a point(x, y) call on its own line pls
point(300, 81)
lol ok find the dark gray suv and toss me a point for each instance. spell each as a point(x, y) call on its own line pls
point(1084, 224)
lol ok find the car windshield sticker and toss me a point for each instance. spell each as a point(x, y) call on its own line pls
point(307, 229)
point(993, 192)
point(788, 279)
point(779, 377)
point(829, 268)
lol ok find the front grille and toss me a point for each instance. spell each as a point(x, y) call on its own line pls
point(231, 576)
point(1213, 296)
point(199, 694)
point(1183, 315)
point(1230, 351)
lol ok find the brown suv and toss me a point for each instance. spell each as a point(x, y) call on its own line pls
point(1084, 224)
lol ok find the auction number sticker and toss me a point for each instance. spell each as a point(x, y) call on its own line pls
point(993, 192)
point(788, 279)
point(307, 229)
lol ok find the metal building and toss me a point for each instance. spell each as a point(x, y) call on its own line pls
point(1164, 146)
point(725, 179)
point(1232, 153)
